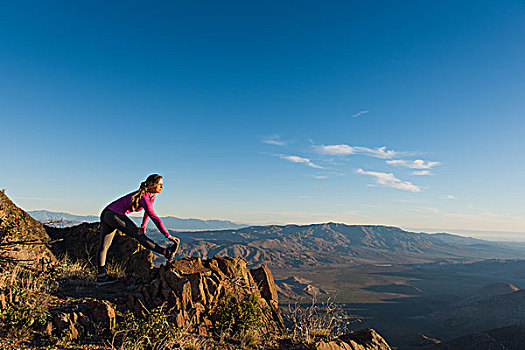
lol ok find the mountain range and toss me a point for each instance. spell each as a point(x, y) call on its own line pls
point(313, 245)
point(335, 243)
point(59, 219)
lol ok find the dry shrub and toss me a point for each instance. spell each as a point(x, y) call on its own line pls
point(154, 332)
point(16, 276)
point(317, 320)
point(27, 299)
point(116, 268)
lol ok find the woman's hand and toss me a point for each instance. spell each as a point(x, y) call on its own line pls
point(142, 231)
point(174, 239)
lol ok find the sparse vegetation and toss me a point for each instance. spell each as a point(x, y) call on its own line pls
point(239, 318)
point(155, 332)
point(53, 303)
point(115, 268)
point(325, 320)
point(26, 299)
point(74, 270)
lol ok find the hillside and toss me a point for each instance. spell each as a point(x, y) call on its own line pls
point(23, 240)
point(505, 338)
point(190, 303)
point(333, 243)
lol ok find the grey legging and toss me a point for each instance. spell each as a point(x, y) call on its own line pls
point(110, 222)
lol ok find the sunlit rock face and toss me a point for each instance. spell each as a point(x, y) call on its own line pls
point(192, 287)
point(24, 240)
point(81, 243)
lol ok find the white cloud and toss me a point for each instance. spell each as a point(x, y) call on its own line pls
point(274, 140)
point(337, 150)
point(370, 205)
point(420, 209)
point(359, 113)
point(481, 217)
point(389, 180)
point(449, 196)
point(343, 150)
point(407, 200)
point(421, 172)
point(380, 152)
point(414, 164)
point(297, 159)
point(319, 177)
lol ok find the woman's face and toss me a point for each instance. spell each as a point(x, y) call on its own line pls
point(156, 188)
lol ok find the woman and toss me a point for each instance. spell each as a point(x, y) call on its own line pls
point(114, 217)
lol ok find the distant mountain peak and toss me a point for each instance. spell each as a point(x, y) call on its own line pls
point(171, 222)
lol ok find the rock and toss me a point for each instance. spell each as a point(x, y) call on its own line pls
point(264, 280)
point(192, 288)
point(333, 345)
point(81, 243)
point(102, 313)
point(48, 330)
point(366, 339)
point(64, 322)
point(24, 239)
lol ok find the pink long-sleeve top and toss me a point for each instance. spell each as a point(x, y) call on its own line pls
point(122, 206)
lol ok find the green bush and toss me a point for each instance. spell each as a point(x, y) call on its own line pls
point(238, 317)
point(156, 330)
point(25, 316)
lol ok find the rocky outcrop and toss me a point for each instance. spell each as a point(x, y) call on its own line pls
point(192, 288)
point(81, 243)
point(295, 288)
point(81, 318)
point(22, 239)
point(367, 339)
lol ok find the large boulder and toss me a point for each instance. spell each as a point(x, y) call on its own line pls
point(192, 288)
point(22, 239)
point(81, 318)
point(81, 243)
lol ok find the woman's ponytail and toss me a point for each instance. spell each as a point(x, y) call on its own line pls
point(151, 181)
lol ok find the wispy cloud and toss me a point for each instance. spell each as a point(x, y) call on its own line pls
point(413, 164)
point(320, 177)
point(449, 196)
point(370, 205)
point(407, 200)
point(359, 113)
point(337, 150)
point(274, 140)
point(421, 172)
point(481, 217)
point(343, 150)
point(423, 209)
point(389, 180)
point(297, 159)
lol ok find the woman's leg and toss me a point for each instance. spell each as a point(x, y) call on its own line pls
point(106, 237)
point(124, 224)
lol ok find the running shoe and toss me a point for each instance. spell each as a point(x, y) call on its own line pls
point(172, 250)
point(106, 279)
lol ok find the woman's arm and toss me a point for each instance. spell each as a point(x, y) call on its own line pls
point(147, 204)
point(145, 221)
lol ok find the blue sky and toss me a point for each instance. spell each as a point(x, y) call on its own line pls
point(397, 113)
